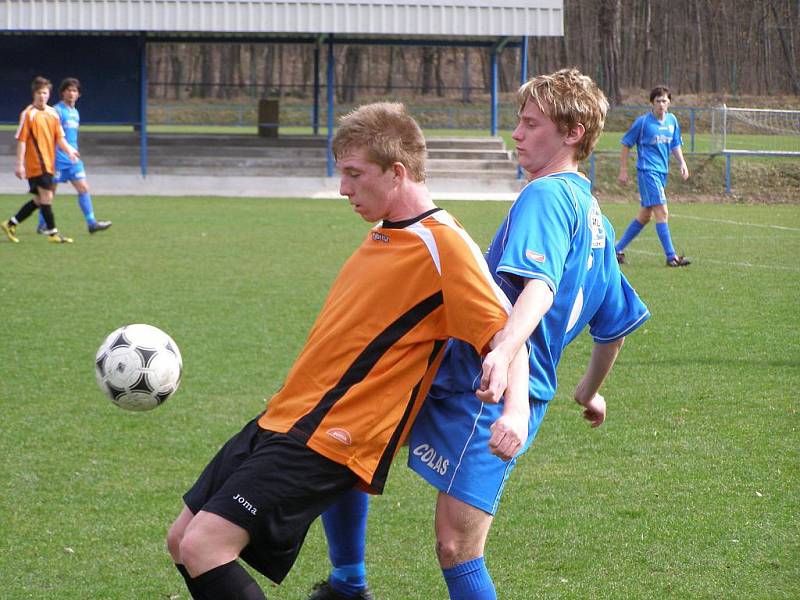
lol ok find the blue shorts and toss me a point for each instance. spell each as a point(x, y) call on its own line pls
point(651, 187)
point(449, 448)
point(71, 172)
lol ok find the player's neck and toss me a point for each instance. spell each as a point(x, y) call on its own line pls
point(413, 200)
point(68, 103)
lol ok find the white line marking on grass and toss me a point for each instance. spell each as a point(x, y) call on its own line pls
point(720, 262)
point(734, 222)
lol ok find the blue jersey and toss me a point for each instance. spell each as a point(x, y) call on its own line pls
point(654, 141)
point(554, 232)
point(70, 121)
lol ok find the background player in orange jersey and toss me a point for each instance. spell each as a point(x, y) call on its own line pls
point(37, 135)
point(350, 398)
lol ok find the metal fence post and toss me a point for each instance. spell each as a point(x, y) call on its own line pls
point(727, 173)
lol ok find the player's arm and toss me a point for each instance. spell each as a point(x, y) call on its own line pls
point(510, 430)
point(677, 152)
point(586, 393)
point(19, 169)
point(69, 150)
point(531, 305)
point(623, 164)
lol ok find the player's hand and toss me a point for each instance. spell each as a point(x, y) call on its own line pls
point(494, 378)
point(508, 435)
point(623, 177)
point(684, 171)
point(19, 171)
point(594, 410)
point(74, 156)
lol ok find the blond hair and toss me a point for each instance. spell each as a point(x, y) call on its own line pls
point(568, 97)
point(388, 133)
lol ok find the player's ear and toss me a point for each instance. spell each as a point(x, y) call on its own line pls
point(399, 170)
point(575, 134)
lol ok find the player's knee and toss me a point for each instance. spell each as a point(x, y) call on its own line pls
point(174, 538)
point(190, 548)
point(452, 552)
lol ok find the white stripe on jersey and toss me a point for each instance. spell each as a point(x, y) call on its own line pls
point(427, 238)
point(446, 218)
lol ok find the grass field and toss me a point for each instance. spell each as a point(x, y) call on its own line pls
point(690, 490)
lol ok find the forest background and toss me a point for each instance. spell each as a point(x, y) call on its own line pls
point(706, 50)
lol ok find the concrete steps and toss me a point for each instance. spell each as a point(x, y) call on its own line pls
point(248, 155)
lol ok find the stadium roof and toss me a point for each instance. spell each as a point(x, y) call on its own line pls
point(395, 18)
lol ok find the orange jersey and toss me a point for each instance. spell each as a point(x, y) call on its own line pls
point(40, 130)
point(359, 382)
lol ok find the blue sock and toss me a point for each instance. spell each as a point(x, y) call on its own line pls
point(85, 202)
point(346, 529)
point(470, 581)
point(662, 229)
point(631, 232)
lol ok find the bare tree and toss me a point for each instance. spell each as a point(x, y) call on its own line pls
point(609, 22)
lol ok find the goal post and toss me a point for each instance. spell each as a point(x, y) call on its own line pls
point(756, 131)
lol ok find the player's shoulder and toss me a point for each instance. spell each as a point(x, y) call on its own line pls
point(555, 184)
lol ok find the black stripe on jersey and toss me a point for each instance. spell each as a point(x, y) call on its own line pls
point(407, 222)
point(382, 470)
point(365, 361)
point(39, 154)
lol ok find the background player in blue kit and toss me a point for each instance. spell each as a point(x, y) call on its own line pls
point(554, 258)
point(656, 135)
point(75, 173)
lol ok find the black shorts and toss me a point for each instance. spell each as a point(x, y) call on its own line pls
point(44, 181)
point(274, 487)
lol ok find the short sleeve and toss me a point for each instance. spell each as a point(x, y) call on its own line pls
point(631, 136)
point(475, 308)
point(23, 131)
point(621, 313)
point(676, 136)
point(540, 228)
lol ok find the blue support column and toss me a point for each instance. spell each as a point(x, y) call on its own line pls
point(493, 130)
point(496, 50)
point(523, 60)
point(315, 108)
point(523, 77)
point(331, 82)
point(143, 105)
point(727, 173)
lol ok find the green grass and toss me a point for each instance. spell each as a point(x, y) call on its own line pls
point(690, 490)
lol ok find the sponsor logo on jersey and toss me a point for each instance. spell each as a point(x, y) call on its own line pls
point(245, 504)
point(431, 458)
point(536, 256)
point(341, 435)
point(380, 237)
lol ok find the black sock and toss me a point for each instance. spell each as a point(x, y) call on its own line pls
point(190, 585)
point(228, 582)
point(26, 211)
point(49, 219)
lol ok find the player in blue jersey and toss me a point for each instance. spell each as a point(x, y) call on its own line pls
point(656, 135)
point(74, 172)
point(554, 257)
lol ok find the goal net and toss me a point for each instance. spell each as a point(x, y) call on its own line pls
point(755, 131)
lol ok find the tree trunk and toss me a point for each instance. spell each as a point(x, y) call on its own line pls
point(428, 70)
point(351, 73)
point(609, 22)
point(788, 52)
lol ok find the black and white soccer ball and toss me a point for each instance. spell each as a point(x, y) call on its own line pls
point(138, 367)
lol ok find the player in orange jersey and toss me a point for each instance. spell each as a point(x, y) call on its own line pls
point(349, 400)
point(38, 134)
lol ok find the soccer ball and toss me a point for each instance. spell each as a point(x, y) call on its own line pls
point(138, 367)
